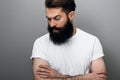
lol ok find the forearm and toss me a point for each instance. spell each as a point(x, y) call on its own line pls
point(44, 72)
point(90, 76)
point(78, 77)
point(65, 77)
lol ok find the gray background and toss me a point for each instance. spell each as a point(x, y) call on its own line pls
point(22, 21)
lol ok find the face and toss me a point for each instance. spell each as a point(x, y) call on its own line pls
point(59, 25)
point(56, 17)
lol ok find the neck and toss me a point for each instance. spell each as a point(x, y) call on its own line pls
point(74, 30)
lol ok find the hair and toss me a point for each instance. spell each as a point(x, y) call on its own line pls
point(66, 5)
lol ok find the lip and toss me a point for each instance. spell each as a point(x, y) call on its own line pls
point(56, 31)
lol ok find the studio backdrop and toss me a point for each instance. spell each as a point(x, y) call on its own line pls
point(23, 21)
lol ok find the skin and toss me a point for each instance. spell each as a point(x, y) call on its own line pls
point(43, 71)
point(56, 17)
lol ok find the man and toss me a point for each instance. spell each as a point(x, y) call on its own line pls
point(66, 52)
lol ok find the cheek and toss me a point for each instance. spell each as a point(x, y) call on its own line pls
point(61, 23)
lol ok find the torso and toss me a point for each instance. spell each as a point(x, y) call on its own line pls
point(72, 58)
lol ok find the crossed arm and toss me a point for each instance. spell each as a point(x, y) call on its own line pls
point(42, 71)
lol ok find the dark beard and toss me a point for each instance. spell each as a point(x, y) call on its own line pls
point(63, 35)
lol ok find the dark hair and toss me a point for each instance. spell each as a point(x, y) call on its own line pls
point(66, 5)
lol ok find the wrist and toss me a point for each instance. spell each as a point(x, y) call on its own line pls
point(64, 76)
point(60, 76)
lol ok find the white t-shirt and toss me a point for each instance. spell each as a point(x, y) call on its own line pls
point(72, 58)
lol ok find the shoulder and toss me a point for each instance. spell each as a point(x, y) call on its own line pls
point(85, 35)
point(43, 39)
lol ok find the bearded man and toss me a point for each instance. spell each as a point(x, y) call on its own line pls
point(66, 52)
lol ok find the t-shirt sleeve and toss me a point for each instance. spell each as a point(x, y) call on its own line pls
point(37, 51)
point(97, 49)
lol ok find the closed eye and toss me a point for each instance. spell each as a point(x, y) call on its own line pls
point(57, 18)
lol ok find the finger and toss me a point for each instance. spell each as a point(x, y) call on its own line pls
point(100, 79)
point(45, 67)
point(101, 73)
point(42, 73)
point(102, 76)
point(43, 70)
point(43, 76)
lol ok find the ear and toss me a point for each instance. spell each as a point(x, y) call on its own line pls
point(71, 15)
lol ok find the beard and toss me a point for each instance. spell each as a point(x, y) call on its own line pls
point(63, 33)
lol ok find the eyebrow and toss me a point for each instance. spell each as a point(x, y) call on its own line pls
point(53, 17)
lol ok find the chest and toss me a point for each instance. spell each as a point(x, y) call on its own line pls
point(70, 60)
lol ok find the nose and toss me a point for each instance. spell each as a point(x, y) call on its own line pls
point(53, 23)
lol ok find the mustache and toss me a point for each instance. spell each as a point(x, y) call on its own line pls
point(55, 28)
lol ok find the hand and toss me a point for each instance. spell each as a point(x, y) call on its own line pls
point(96, 76)
point(47, 72)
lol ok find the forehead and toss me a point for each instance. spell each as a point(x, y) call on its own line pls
point(52, 12)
